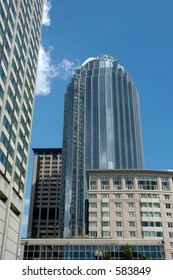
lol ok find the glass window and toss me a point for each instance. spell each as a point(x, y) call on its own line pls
point(118, 214)
point(104, 204)
point(130, 195)
point(105, 195)
point(105, 214)
point(105, 234)
point(117, 195)
point(92, 214)
point(118, 234)
point(104, 181)
point(92, 205)
point(118, 224)
point(131, 224)
point(132, 234)
point(118, 204)
point(131, 214)
point(93, 234)
point(170, 225)
point(105, 223)
point(168, 205)
point(130, 204)
point(117, 183)
point(93, 183)
point(93, 224)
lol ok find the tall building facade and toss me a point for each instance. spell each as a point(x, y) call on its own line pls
point(102, 130)
point(45, 194)
point(20, 31)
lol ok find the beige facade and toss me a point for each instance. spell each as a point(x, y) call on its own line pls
point(131, 204)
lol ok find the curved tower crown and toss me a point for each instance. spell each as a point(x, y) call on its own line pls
point(102, 128)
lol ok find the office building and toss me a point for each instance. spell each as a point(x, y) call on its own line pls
point(20, 31)
point(102, 130)
point(131, 205)
point(45, 194)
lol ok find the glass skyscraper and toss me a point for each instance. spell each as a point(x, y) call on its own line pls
point(102, 130)
point(20, 31)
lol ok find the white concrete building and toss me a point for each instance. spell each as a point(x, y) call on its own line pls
point(20, 31)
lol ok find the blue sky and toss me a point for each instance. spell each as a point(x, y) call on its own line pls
point(139, 34)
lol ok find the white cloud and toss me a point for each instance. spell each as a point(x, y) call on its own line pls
point(66, 68)
point(46, 16)
point(46, 72)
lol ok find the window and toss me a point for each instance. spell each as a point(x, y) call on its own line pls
point(170, 225)
point(149, 195)
point(118, 224)
point(92, 224)
point(93, 183)
point(129, 182)
point(131, 214)
point(131, 224)
point(150, 205)
point(150, 214)
point(130, 204)
point(165, 184)
point(104, 181)
point(93, 234)
point(105, 234)
point(105, 195)
point(92, 196)
point(92, 214)
point(92, 205)
point(132, 234)
point(105, 224)
point(104, 204)
point(118, 214)
point(118, 234)
point(147, 182)
point(171, 234)
point(117, 195)
point(151, 224)
point(168, 205)
point(130, 195)
point(117, 182)
point(167, 196)
point(152, 234)
point(169, 215)
point(118, 204)
point(105, 214)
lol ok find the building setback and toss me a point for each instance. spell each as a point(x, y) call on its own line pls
point(20, 29)
point(45, 194)
point(102, 130)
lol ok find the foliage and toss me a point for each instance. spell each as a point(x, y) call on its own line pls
point(127, 253)
point(107, 256)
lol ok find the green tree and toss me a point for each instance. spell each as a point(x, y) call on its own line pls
point(127, 253)
point(107, 256)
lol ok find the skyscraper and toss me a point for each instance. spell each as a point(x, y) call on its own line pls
point(102, 130)
point(45, 194)
point(20, 30)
